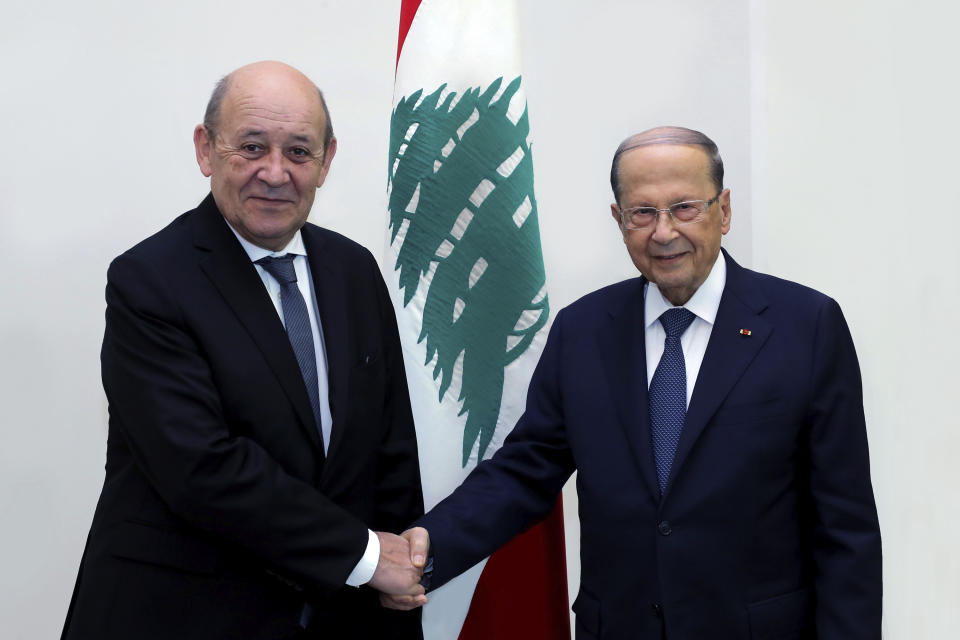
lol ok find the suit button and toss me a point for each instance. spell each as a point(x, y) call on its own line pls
point(656, 610)
point(664, 528)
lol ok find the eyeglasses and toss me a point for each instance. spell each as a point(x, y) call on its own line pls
point(681, 213)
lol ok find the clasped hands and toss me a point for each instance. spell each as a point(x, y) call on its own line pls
point(400, 567)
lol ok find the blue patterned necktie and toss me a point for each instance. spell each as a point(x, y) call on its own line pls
point(668, 393)
point(297, 322)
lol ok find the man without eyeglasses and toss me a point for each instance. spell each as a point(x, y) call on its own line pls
point(261, 444)
point(715, 418)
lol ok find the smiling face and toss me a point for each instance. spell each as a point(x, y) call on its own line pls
point(677, 258)
point(266, 158)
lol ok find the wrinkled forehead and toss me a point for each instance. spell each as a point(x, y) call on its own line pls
point(657, 161)
point(274, 106)
point(661, 173)
point(256, 121)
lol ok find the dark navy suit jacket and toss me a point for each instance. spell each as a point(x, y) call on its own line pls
point(220, 515)
point(767, 528)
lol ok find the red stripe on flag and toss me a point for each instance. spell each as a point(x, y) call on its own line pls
point(408, 9)
point(522, 592)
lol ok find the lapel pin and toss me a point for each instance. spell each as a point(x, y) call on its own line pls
point(745, 332)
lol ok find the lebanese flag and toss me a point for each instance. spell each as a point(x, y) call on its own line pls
point(465, 272)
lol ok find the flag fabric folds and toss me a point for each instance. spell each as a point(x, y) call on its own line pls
point(465, 269)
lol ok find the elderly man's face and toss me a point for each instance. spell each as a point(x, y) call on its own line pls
point(676, 257)
point(267, 158)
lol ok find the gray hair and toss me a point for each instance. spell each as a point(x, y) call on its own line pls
point(668, 135)
point(211, 117)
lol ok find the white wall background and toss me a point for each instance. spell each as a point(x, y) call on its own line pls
point(836, 121)
point(861, 201)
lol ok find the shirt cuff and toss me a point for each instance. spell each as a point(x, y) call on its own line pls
point(363, 572)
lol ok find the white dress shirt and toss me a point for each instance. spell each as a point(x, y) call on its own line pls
point(704, 304)
point(363, 572)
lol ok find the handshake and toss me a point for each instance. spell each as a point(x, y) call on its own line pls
point(400, 568)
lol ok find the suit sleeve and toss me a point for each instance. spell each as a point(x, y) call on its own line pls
point(514, 489)
point(165, 404)
point(846, 532)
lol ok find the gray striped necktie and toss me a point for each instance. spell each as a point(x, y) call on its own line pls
point(297, 322)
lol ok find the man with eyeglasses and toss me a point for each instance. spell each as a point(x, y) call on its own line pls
point(715, 418)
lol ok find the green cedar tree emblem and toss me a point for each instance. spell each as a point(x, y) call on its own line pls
point(461, 172)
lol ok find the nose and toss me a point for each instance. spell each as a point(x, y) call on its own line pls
point(663, 230)
point(273, 171)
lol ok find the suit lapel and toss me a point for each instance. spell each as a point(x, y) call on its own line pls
point(623, 353)
point(229, 268)
point(329, 286)
point(728, 355)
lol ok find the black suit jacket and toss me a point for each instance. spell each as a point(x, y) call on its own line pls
point(767, 528)
point(220, 515)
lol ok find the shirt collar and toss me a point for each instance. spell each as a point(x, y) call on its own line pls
point(703, 303)
point(295, 246)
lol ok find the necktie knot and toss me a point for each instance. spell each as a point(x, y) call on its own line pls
point(281, 268)
point(675, 321)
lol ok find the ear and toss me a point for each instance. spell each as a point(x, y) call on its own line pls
point(204, 148)
point(724, 202)
point(328, 154)
point(615, 212)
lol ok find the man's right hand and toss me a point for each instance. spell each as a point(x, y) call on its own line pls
point(417, 541)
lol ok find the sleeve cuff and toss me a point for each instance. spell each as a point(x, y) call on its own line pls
point(363, 572)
